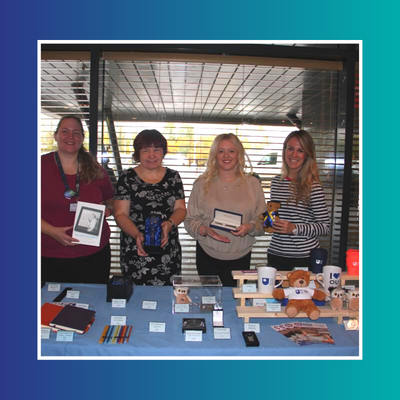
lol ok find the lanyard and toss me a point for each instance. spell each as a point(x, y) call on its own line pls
point(69, 193)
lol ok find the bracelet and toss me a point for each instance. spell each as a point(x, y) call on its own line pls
point(172, 222)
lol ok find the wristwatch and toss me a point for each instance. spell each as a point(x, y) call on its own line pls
point(172, 222)
point(295, 231)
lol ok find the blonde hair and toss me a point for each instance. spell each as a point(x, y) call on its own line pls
point(89, 168)
point(212, 163)
point(308, 174)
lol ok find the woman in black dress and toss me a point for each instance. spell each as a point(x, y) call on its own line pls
point(146, 193)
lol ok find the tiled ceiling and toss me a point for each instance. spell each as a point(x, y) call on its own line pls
point(183, 91)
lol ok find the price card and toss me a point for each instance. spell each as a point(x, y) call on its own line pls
point(252, 327)
point(222, 333)
point(300, 269)
point(208, 299)
point(348, 287)
point(193, 336)
point(181, 308)
point(249, 288)
point(72, 294)
point(157, 327)
point(53, 287)
point(149, 305)
point(118, 303)
point(82, 305)
point(259, 302)
point(45, 333)
point(273, 305)
point(118, 320)
point(65, 336)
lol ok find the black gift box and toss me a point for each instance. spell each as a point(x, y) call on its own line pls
point(194, 324)
point(119, 287)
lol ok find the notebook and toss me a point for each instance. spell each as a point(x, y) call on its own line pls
point(48, 312)
point(75, 319)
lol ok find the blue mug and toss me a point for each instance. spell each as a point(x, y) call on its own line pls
point(318, 259)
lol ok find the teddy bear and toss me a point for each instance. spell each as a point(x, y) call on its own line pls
point(300, 295)
point(270, 216)
point(181, 294)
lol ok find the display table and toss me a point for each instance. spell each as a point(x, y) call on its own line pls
point(172, 342)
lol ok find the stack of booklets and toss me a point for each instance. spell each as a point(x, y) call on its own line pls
point(305, 333)
point(68, 317)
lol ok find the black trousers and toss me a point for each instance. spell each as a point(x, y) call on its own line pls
point(89, 269)
point(287, 264)
point(207, 265)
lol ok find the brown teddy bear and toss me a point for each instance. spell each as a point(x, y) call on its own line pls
point(300, 295)
point(270, 216)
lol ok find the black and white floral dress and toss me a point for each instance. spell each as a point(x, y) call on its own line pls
point(149, 199)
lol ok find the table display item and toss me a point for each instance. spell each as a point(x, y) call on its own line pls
point(88, 223)
point(61, 295)
point(318, 258)
point(116, 334)
point(152, 235)
point(218, 316)
point(194, 294)
point(270, 216)
point(119, 287)
point(75, 319)
point(337, 299)
point(329, 278)
point(353, 262)
point(300, 295)
point(247, 310)
point(226, 220)
point(353, 297)
point(267, 278)
point(194, 324)
point(48, 312)
point(251, 339)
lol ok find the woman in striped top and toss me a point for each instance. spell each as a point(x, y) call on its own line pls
point(303, 214)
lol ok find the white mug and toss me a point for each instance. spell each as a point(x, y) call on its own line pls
point(330, 277)
point(266, 278)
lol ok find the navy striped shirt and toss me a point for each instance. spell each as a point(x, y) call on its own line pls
point(311, 220)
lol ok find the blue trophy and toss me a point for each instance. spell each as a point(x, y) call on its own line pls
point(152, 235)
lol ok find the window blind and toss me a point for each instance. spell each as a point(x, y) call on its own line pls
point(191, 103)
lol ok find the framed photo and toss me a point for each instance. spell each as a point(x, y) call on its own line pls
point(88, 223)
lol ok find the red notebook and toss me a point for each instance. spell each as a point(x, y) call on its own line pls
point(48, 312)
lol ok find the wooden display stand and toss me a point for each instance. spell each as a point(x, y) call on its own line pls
point(247, 312)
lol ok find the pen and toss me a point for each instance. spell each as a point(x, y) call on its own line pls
point(104, 334)
point(129, 334)
point(121, 334)
point(110, 333)
point(114, 339)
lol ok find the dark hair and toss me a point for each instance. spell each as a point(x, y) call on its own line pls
point(148, 138)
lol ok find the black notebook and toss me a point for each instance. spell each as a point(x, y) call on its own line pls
point(75, 319)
